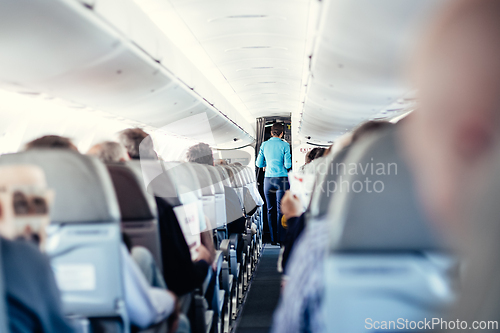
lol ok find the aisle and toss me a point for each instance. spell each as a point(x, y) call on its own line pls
point(263, 296)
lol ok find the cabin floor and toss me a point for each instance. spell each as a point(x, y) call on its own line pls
point(263, 295)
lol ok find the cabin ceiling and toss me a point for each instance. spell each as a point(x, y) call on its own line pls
point(329, 64)
point(258, 46)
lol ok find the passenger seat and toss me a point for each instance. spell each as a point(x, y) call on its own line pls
point(139, 213)
point(386, 259)
point(84, 237)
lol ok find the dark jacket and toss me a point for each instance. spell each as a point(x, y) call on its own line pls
point(182, 275)
point(33, 299)
point(295, 227)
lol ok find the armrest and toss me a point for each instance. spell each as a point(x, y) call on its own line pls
point(233, 241)
point(219, 258)
point(161, 327)
point(225, 247)
point(185, 302)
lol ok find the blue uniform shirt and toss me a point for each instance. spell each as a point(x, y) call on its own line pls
point(274, 154)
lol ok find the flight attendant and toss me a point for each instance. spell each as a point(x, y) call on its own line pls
point(274, 157)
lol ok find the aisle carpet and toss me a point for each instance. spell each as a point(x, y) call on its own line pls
point(262, 299)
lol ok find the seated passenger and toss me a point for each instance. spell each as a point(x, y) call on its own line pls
point(51, 141)
point(453, 143)
point(109, 152)
point(146, 262)
point(202, 153)
point(32, 296)
point(146, 305)
point(182, 275)
point(138, 144)
point(298, 309)
point(314, 154)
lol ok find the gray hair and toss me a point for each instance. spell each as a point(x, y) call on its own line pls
point(200, 153)
point(109, 152)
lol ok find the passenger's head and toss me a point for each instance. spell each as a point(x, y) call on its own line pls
point(137, 143)
point(277, 130)
point(361, 131)
point(24, 203)
point(200, 153)
point(314, 154)
point(457, 76)
point(369, 127)
point(109, 152)
point(51, 141)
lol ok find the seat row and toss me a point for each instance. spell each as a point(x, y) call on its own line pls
point(376, 258)
point(94, 203)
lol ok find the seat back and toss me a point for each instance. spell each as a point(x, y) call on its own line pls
point(364, 290)
point(190, 211)
point(207, 191)
point(386, 260)
point(236, 182)
point(224, 175)
point(84, 238)
point(138, 210)
point(234, 205)
point(324, 183)
point(252, 186)
point(234, 210)
point(220, 201)
point(240, 170)
point(249, 202)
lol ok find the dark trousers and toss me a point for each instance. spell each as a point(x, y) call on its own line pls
point(274, 190)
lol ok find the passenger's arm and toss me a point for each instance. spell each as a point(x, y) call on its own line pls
point(203, 254)
point(260, 162)
point(145, 305)
point(291, 206)
point(288, 157)
point(207, 239)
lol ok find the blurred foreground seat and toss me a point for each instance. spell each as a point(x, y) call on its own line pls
point(386, 260)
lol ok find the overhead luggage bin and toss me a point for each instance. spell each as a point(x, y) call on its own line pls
point(386, 259)
point(84, 238)
point(350, 81)
point(119, 62)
